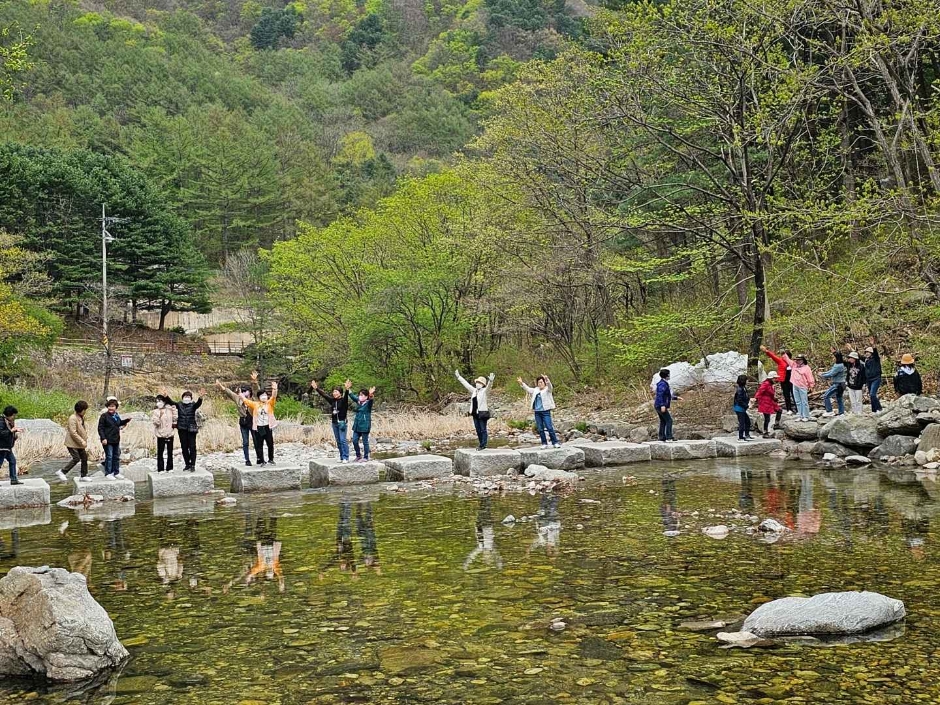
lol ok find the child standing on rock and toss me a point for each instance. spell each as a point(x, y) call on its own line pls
point(362, 422)
point(164, 426)
point(479, 409)
point(110, 425)
point(542, 402)
point(767, 402)
point(264, 423)
point(339, 409)
point(742, 401)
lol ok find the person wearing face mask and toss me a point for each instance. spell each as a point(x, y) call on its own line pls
point(186, 425)
point(362, 422)
point(263, 422)
point(479, 410)
point(339, 408)
point(164, 422)
point(245, 419)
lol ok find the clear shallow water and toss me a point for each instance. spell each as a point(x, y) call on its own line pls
point(426, 597)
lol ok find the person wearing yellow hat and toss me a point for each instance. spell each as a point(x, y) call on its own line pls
point(907, 379)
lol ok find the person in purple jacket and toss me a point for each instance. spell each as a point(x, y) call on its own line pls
point(664, 399)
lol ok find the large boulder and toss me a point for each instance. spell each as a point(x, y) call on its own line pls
point(898, 420)
point(715, 370)
point(828, 613)
point(51, 626)
point(490, 461)
point(800, 430)
point(856, 431)
point(565, 458)
point(930, 439)
point(894, 447)
point(925, 404)
point(837, 449)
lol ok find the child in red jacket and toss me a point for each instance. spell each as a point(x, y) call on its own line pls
point(767, 402)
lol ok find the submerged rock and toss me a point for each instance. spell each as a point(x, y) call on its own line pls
point(51, 626)
point(828, 613)
point(772, 526)
point(716, 532)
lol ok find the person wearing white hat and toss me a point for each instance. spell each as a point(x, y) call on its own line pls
point(873, 374)
point(767, 402)
point(855, 381)
point(479, 409)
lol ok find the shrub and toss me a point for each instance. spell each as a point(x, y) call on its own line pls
point(38, 404)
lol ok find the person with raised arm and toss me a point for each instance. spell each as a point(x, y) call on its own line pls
point(187, 425)
point(338, 400)
point(784, 376)
point(263, 422)
point(479, 409)
point(245, 419)
point(541, 401)
point(362, 422)
point(110, 425)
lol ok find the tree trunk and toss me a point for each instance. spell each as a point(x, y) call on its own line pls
point(164, 310)
point(760, 309)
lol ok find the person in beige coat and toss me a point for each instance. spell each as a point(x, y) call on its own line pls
point(76, 443)
point(164, 426)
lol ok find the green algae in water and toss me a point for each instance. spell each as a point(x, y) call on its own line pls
point(428, 597)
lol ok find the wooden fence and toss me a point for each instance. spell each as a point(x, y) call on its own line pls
point(217, 346)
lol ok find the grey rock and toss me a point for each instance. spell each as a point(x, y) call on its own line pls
point(925, 404)
point(683, 450)
point(894, 447)
point(51, 626)
point(898, 420)
point(330, 471)
point(772, 526)
point(930, 438)
point(823, 447)
point(418, 467)
point(828, 613)
point(540, 473)
point(857, 460)
point(266, 479)
point(109, 489)
point(615, 429)
point(731, 447)
point(567, 457)
point(857, 431)
point(483, 463)
point(180, 483)
point(799, 430)
point(33, 492)
point(614, 453)
point(742, 640)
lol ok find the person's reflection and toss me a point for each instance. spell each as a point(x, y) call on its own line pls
point(746, 494)
point(192, 550)
point(368, 543)
point(808, 517)
point(169, 565)
point(841, 508)
point(668, 509)
point(915, 532)
point(117, 549)
point(268, 552)
point(547, 526)
point(11, 549)
point(486, 538)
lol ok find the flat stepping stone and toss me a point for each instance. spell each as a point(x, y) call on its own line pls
point(482, 463)
point(28, 516)
point(615, 453)
point(31, 493)
point(325, 472)
point(106, 511)
point(180, 483)
point(107, 488)
point(277, 478)
point(567, 457)
point(683, 450)
point(409, 468)
point(731, 447)
point(183, 506)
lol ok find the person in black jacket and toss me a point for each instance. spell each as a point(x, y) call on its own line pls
point(742, 400)
point(186, 425)
point(907, 379)
point(8, 434)
point(873, 375)
point(339, 408)
point(110, 425)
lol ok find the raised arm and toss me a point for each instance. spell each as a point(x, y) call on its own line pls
point(526, 387)
point(548, 383)
point(273, 391)
point(465, 383)
point(254, 384)
point(353, 398)
point(491, 378)
point(228, 392)
point(316, 388)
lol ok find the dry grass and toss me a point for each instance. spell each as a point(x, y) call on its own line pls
point(222, 435)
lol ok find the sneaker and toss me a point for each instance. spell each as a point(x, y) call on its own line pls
point(109, 477)
point(119, 476)
point(545, 446)
point(261, 463)
point(84, 478)
point(828, 414)
point(61, 475)
point(15, 482)
point(247, 463)
point(556, 445)
point(344, 461)
point(270, 462)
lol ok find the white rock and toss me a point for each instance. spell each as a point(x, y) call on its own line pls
point(510, 519)
point(857, 460)
point(828, 613)
point(716, 532)
point(772, 526)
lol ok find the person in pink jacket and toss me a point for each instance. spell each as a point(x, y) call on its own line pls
point(767, 402)
point(803, 381)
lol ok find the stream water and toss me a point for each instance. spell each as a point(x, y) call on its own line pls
point(426, 596)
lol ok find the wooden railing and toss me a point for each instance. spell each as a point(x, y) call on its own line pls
point(186, 347)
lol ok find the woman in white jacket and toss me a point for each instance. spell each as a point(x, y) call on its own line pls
point(542, 402)
point(478, 406)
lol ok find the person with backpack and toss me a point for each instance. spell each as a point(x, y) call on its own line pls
point(767, 402)
point(110, 425)
point(8, 435)
point(164, 426)
point(479, 408)
point(187, 425)
point(855, 381)
point(264, 422)
point(742, 401)
point(362, 422)
point(836, 377)
point(907, 378)
point(76, 443)
point(662, 403)
point(338, 400)
point(245, 420)
point(873, 373)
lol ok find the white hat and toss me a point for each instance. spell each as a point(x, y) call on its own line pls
point(853, 355)
point(772, 374)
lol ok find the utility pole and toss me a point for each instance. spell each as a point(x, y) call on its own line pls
point(105, 340)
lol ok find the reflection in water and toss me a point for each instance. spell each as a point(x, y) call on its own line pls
point(486, 537)
point(267, 553)
point(10, 549)
point(746, 495)
point(668, 508)
point(547, 526)
point(344, 557)
point(368, 544)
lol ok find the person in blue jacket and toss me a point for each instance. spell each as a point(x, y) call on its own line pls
point(362, 423)
point(742, 400)
point(662, 404)
point(836, 376)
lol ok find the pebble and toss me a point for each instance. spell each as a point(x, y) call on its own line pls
point(510, 519)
